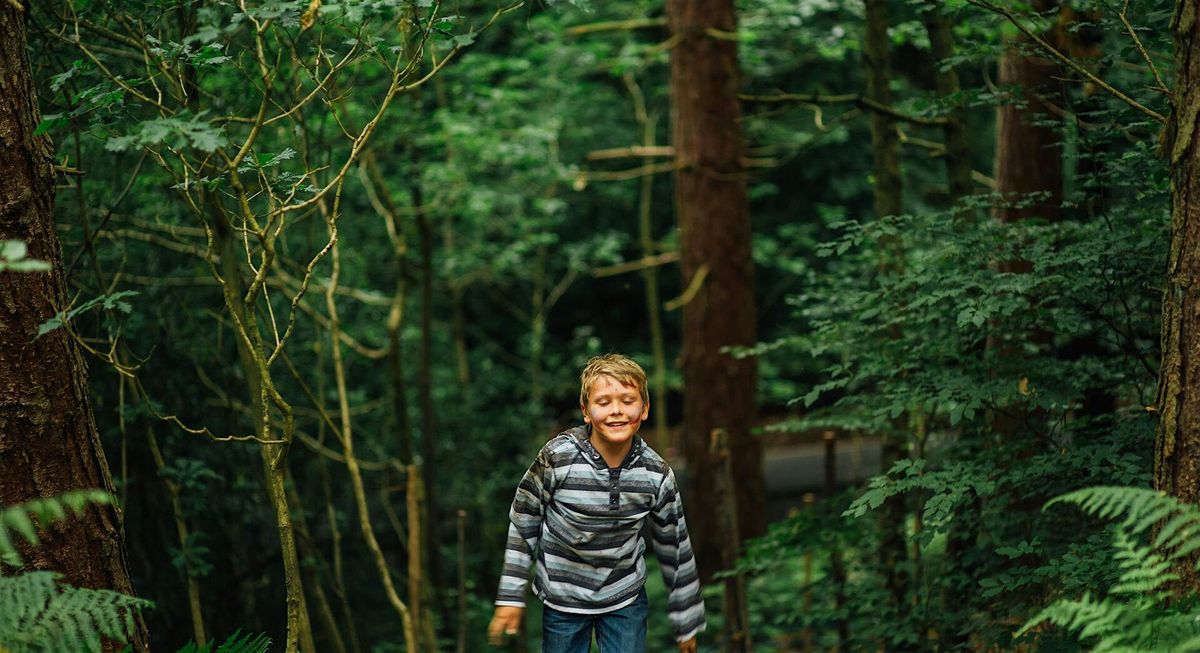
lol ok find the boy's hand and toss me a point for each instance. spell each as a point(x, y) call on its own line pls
point(688, 646)
point(507, 621)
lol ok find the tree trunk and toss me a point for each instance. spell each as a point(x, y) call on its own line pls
point(1177, 442)
point(48, 438)
point(1028, 151)
point(714, 224)
point(431, 513)
point(889, 186)
point(958, 152)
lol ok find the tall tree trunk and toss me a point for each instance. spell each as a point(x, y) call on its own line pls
point(274, 441)
point(431, 510)
point(1029, 151)
point(714, 224)
point(48, 438)
point(1177, 442)
point(958, 153)
point(1028, 172)
point(888, 192)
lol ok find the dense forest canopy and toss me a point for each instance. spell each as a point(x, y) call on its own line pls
point(294, 291)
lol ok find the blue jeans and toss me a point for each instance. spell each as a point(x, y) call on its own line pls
point(619, 631)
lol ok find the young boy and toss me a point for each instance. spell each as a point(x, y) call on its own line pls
point(580, 510)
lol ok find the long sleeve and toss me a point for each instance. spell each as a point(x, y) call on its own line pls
point(524, 530)
point(669, 536)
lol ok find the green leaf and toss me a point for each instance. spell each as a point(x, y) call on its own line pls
point(13, 250)
point(50, 121)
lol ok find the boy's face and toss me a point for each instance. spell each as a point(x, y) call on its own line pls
point(615, 410)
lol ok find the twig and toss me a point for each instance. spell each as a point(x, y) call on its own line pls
point(1069, 62)
point(692, 290)
point(850, 98)
point(1137, 43)
point(612, 25)
point(639, 264)
point(632, 151)
point(624, 175)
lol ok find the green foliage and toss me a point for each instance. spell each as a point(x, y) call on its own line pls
point(236, 643)
point(40, 615)
point(25, 518)
point(111, 302)
point(14, 257)
point(899, 327)
point(1154, 534)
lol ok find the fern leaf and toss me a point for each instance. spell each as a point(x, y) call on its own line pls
point(1153, 515)
point(8, 550)
point(1178, 529)
point(46, 510)
point(237, 643)
point(1142, 570)
point(40, 615)
point(1109, 502)
point(19, 521)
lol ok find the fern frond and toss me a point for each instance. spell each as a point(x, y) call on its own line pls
point(40, 615)
point(20, 519)
point(1142, 570)
point(1139, 507)
point(1099, 617)
point(1135, 616)
point(248, 644)
point(1176, 531)
point(237, 643)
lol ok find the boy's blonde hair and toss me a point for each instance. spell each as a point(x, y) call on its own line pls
point(621, 368)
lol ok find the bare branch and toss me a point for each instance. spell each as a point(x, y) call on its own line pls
point(613, 25)
point(632, 151)
point(1067, 61)
point(1137, 43)
point(853, 98)
point(634, 266)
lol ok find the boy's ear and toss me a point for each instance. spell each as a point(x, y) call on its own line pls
point(586, 419)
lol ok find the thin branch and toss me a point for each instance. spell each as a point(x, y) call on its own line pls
point(560, 288)
point(856, 99)
point(1069, 62)
point(613, 25)
point(585, 176)
point(692, 290)
point(634, 266)
point(1137, 43)
point(395, 88)
point(937, 149)
point(647, 151)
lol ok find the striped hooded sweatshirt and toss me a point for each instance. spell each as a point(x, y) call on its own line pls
point(583, 521)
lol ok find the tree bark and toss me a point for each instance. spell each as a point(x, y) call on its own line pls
point(429, 457)
point(1028, 149)
point(1177, 441)
point(888, 191)
point(958, 152)
point(48, 438)
point(714, 223)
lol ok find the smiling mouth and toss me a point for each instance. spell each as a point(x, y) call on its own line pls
point(616, 425)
